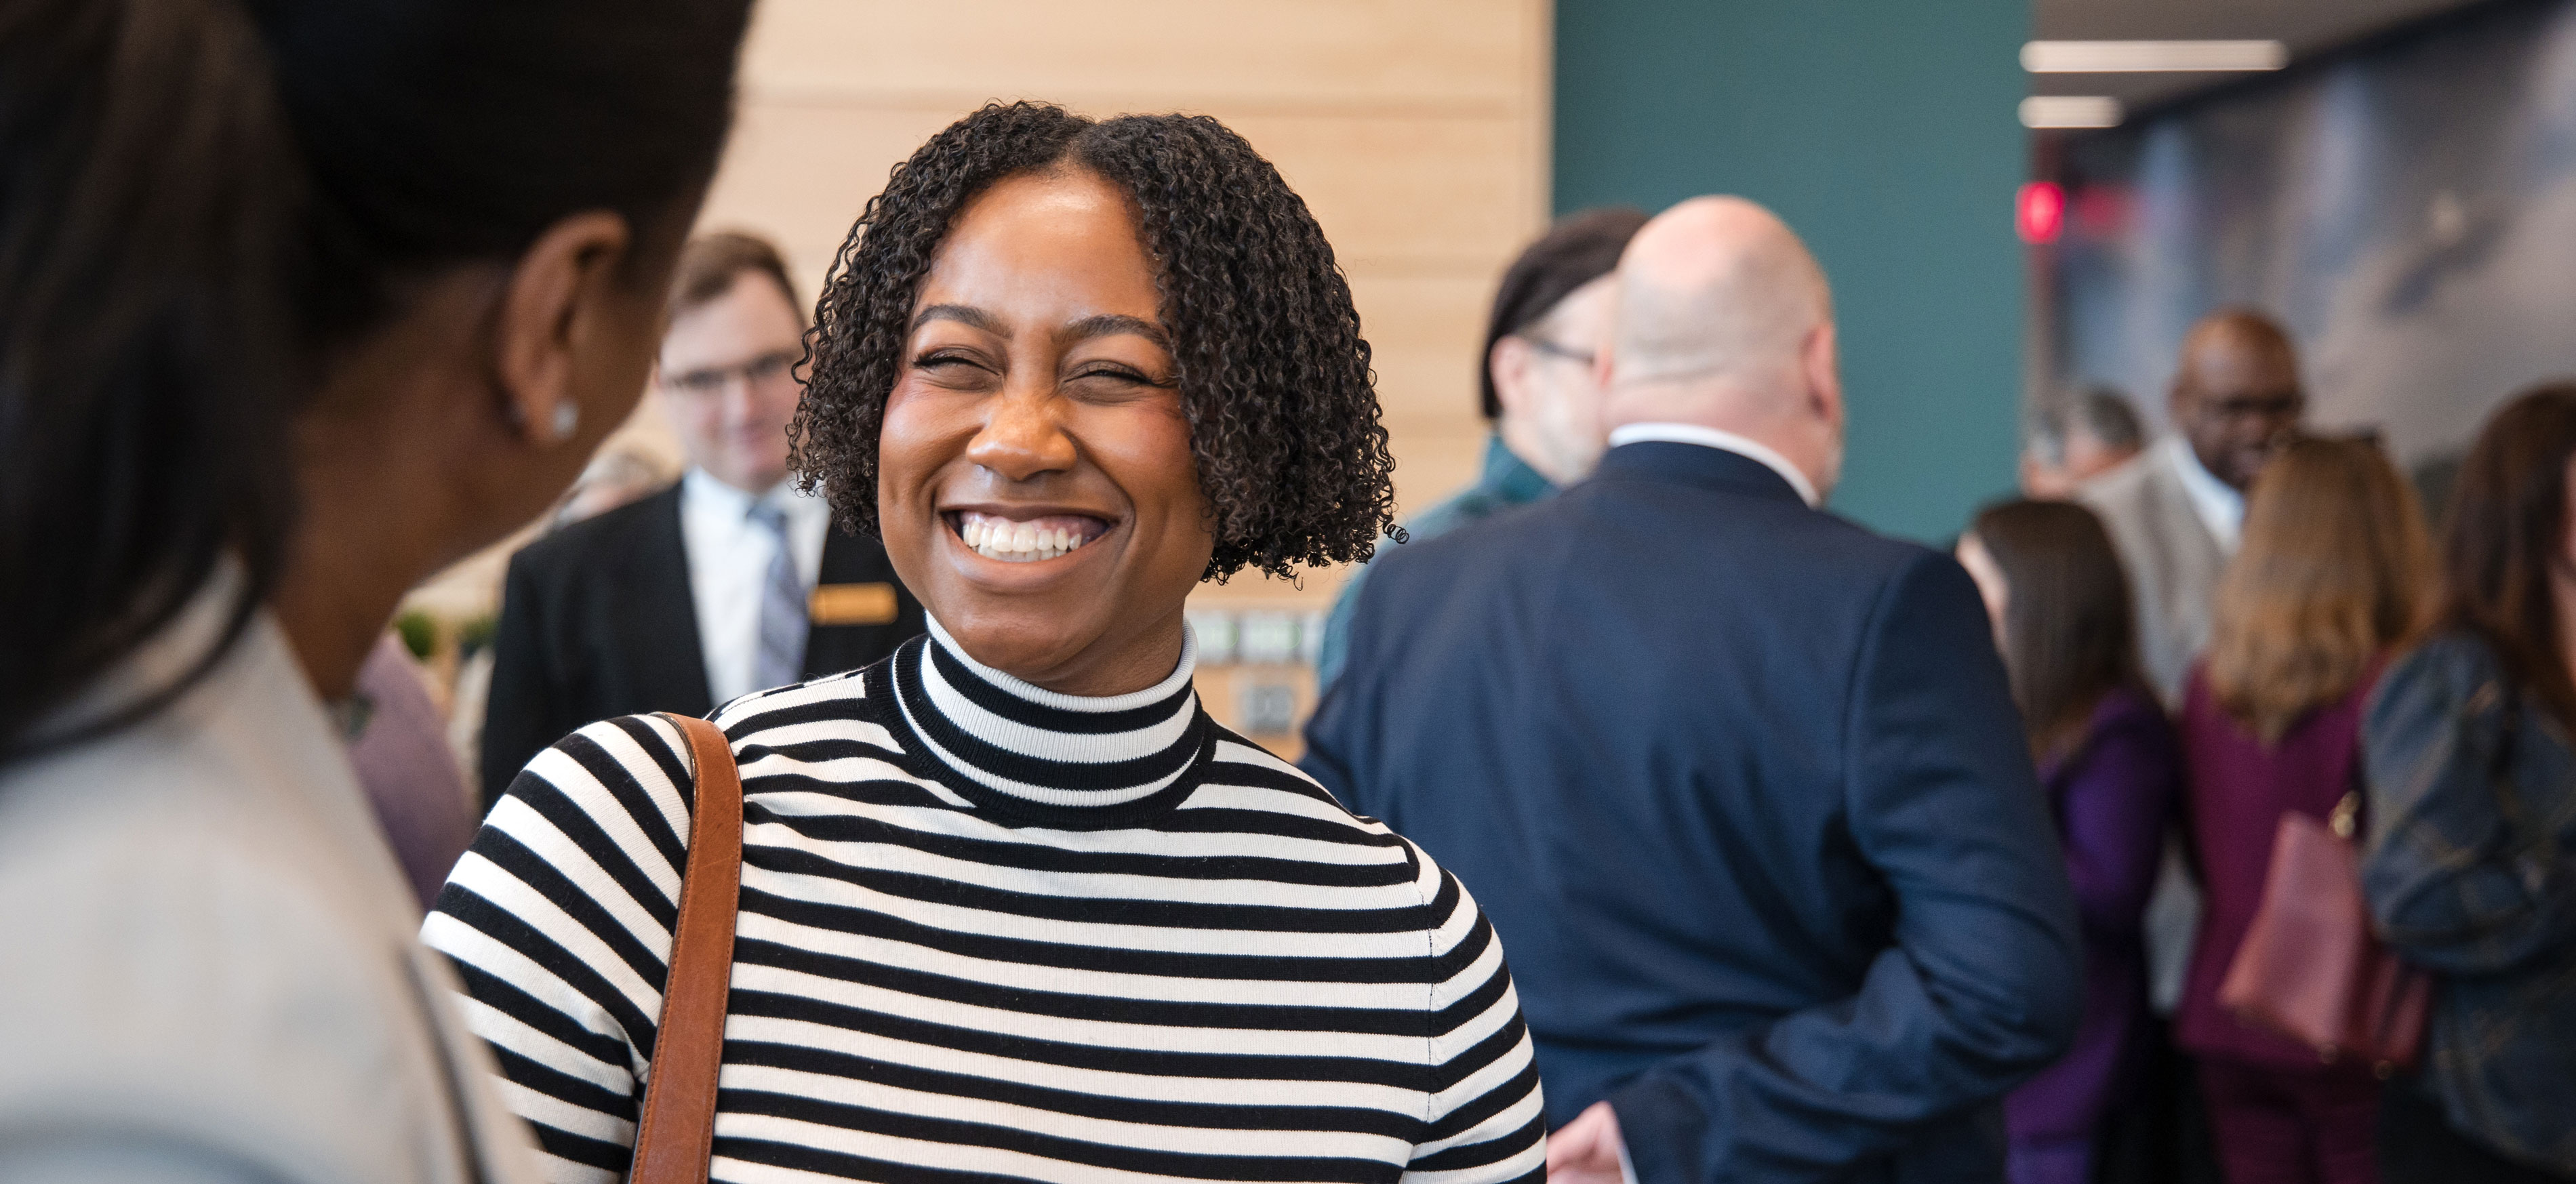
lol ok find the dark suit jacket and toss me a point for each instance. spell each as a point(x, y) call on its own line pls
point(597, 621)
point(1742, 788)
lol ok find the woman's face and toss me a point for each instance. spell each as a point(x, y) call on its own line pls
point(1991, 585)
point(1034, 475)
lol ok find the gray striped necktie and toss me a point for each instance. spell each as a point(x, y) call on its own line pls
point(783, 623)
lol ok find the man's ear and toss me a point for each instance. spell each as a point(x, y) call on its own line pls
point(551, 303)
point(1509, 363)
point(1817, 357)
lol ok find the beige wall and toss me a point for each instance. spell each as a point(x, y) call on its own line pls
point(1415, 129)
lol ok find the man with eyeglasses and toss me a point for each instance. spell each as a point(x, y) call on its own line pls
point(2174, 516)
point(1538, 386)
point(728, 582)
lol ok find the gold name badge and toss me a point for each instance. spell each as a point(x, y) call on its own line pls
point(851, 604)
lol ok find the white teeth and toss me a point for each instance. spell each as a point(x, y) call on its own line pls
point(1016, 542)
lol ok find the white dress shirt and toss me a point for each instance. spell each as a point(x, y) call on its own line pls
point(2221, 507)
point(729, 558)
point(1708, 437)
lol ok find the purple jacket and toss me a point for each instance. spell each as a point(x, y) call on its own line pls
point(2111, 797)
point(2239, 790)
point(411, 778)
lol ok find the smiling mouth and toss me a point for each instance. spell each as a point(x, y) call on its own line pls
point(1029, 540)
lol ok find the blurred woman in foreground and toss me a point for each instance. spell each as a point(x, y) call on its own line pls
point(2471, 866)
point(2333, 574)
point(2112, 770)
point(300, 301)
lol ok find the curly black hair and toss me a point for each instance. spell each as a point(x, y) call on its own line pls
point(1273, 374)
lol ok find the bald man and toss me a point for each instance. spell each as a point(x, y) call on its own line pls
point(2175, 515)
point(1740, 783)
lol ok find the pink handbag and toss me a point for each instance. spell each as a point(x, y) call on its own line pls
point(2311, 968)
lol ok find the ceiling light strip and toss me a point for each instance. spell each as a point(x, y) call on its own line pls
point(2143, 57)
point(2063, 111)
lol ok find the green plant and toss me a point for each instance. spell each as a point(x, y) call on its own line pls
point(419, 633)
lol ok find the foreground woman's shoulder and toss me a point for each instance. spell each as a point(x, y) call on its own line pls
point(1252, 789)
point(831, 697)
point(650, 751)
point(1242, 772)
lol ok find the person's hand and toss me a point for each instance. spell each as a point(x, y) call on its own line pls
point(1586, 1150)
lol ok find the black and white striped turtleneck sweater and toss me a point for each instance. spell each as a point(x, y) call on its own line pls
point(993, 933)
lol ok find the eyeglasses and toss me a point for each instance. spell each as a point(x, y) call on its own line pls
point(2245, 407)
point(761, 371)
point(1569, 353)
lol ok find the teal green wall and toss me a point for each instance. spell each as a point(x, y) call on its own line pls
point(1885, 132)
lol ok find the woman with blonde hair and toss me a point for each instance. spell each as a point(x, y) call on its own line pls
point(2333, 575)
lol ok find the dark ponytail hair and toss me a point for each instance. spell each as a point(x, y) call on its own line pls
point(199, 198)
point(2069, 634)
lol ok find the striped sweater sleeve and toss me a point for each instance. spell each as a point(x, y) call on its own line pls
point(559, 921)
point(1483, 1121)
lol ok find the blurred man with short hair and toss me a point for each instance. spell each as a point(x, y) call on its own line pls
point(2175, 514)
point(2077, 437)
point(1539, 390)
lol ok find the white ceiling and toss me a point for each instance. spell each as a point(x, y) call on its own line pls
point(2307, 26)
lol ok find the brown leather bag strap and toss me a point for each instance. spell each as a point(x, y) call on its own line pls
point(677, 1133)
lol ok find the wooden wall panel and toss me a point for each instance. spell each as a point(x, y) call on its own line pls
point(1144, 55)
point(1423, 333)
point(1440, 198)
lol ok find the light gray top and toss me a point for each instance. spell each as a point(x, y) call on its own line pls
point(208, 962)
point(2173, 559)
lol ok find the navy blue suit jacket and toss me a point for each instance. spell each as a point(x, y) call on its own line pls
point(1742, 787)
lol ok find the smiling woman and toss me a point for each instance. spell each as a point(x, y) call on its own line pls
point(1036, 408)
point(1131, 330)
point(1012, 904)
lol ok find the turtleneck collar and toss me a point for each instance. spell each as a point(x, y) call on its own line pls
point(1005, 742)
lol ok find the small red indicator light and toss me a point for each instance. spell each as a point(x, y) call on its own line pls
point(2039, 212)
